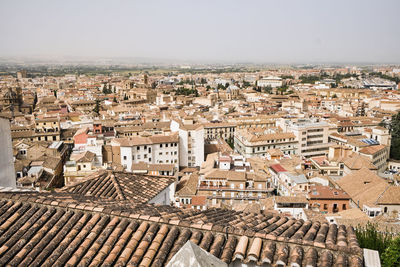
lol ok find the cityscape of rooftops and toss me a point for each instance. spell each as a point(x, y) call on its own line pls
point(200, 133)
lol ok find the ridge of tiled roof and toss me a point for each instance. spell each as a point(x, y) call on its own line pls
point(45, 229)
point(121, 186)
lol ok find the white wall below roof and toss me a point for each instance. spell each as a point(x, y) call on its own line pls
point(297, 213)
point(199, 146)
point(166, 196)
point(7, 171)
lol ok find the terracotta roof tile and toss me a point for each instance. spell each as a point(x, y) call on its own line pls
point(47, 235)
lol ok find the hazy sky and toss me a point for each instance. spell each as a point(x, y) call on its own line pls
point(259, 31)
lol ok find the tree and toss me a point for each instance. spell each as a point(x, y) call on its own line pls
point(391, 256)
point(221, 86)
point(107, 89)
point(369, 237)
point(35, 100)
point(246, 84)
point(185, 91)
point(309, 79)
point(268, 89)
point(97, 107)
point(231, 143)
point(395, 132)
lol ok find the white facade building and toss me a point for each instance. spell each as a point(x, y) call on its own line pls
point(312, 135)
point(155, 149)
point(191, 143)
point(270, 81)
point(250, 144)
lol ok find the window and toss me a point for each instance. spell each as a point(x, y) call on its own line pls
point(325, 206)
point(160, 145)
point(343, 206)
point(335, 207)
point(124, 157)
point(166, 145)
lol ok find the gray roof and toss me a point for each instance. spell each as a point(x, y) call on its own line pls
point(298, 179)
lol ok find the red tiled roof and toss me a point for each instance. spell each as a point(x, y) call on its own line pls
point(277, 168)
point(199, 200)
point(45, 229)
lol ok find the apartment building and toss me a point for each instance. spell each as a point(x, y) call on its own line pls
point(228, 179)
point(47, 129)
point(257, 143)
point(254, 122)
point(79, 167)
point(86, 140)
point(214, 131)
point(378, 155)
point(312, 135)
point(288, 183)
point(156, 149)
point(191, 143)
point(83, 105)
point(328, 199)
point(232, 187)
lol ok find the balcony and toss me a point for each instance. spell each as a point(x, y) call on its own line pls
point(236, 197)
point(226, 188)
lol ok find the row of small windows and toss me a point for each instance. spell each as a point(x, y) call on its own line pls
point(259, 148)
point(220, 130)
point(171, 144)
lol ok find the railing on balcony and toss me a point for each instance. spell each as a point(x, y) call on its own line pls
point(226, 188)
point(236, 197)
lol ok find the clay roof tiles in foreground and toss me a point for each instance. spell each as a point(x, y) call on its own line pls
point(64, 229)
